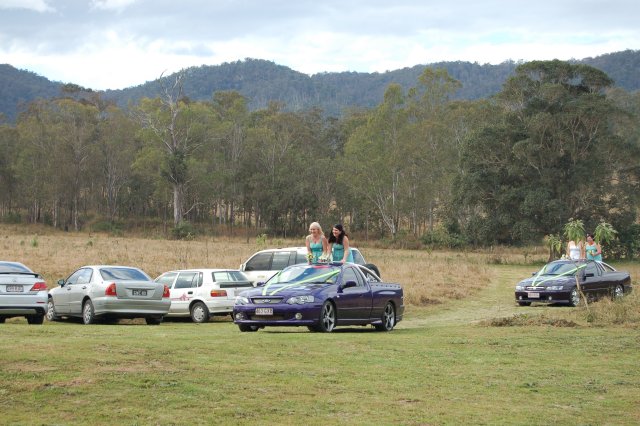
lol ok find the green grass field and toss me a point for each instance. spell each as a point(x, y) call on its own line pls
point(442, 365)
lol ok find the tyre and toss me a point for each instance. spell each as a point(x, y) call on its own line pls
point(574, 298)
point(88, 313)
point(388, 318)
point(199, 312)
point(618, 292)
point(327, 317)
point(51, 311)
point(2, 320)
point(247, 328)
point(374, 268)
point(524, 303)
point(35, 319)
point(153, 320)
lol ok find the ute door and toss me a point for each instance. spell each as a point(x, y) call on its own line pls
point(591, 283)
point(354, 303)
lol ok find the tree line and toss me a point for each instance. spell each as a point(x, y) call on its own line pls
point(557, 142)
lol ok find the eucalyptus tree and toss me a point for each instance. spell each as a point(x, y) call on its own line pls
point(549, 153)
point(8, 168)
point(167, 124)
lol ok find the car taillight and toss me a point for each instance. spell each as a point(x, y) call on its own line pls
point(218, 293)
point(166, 292)
point(111, 290)
point(39, 286)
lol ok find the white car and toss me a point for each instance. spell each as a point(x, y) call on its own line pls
point(23, 293)
point(202, 293)
point(108, 291)
point(266, 263)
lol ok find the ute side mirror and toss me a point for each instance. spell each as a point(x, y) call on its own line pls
point(348, 284)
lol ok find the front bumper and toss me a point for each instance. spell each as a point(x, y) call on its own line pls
point(283, 315)
point(543, 296)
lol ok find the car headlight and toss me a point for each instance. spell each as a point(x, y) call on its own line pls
point(519, 287)
point(241, 300)
point(300, 300)
point(555, 287)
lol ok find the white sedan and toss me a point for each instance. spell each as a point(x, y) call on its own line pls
point(201, 293)
point(22, 293)
point(105, 291)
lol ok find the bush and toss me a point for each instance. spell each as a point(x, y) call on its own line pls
point(13, 218)
point(440, 237)
point(184, 231)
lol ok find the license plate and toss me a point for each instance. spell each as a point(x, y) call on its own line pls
point(533, 295)
point(264, 311)
point(14, 289)
point(139, 292)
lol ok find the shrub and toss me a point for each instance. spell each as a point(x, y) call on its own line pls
point(183, 231)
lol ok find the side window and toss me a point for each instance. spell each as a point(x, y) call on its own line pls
point(167, 279)
point(73, 278)
point(221, 276)
point(592, 268)
point(200, 279)
point(85, 276)
point(350, 274)
point(301, 257)
point(280, 260)
point(357, 257)
point(187, 280)
point(259, 262)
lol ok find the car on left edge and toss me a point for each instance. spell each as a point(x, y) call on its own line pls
point(97, 292)
point(23, 293)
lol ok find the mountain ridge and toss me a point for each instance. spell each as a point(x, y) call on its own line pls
point(262, 81)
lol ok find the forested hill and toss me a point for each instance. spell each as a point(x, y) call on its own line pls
point(263, 81)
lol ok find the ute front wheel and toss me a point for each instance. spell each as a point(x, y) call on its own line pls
point(327, 317)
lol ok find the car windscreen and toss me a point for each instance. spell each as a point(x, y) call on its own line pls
point(307, 274)
point(123, 274)
point(560, 268)
point(7, 267)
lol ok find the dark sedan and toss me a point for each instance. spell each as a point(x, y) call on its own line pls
point(558, 281)
point(321, 297)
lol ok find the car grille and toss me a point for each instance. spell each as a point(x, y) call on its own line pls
point(535, 288)
point(266, 300)
point(266, 317)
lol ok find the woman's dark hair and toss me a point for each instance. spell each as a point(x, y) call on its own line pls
point(333, 239)
point(589, 234)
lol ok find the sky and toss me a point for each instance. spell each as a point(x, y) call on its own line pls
point(114, 44)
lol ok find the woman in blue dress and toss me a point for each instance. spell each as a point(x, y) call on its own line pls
point(593, 250)
point(316, 243)
point(339, 245)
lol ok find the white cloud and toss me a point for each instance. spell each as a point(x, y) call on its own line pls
point(35, 5)
point(117, 5)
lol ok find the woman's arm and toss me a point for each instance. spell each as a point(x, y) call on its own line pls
point(325, 245)
point(345, 243)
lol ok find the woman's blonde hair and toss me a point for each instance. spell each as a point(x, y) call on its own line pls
point(316, 225)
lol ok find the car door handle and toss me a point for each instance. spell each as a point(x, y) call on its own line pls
point(189, 292)
point(84, 287)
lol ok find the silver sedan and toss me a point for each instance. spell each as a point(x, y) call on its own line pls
point(22, 293)
point(106, 291)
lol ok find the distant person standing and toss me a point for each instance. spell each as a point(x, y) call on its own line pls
point(339, 245)
point(575, 250)
point(593, 250)
point(316, 243)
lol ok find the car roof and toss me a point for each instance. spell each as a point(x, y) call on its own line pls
point(205, 270)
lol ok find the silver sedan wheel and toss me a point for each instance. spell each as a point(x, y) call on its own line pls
point(327, 317)
point(51, 311)
point(88, 314)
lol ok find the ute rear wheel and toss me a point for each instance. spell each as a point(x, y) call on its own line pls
point(574, 297)
point(618, 292)
point(388, 318)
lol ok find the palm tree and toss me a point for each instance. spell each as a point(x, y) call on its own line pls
point(574, 230)
point(604, 233)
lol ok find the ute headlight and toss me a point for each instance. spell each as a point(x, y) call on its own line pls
point(519, 287)
point(300, 300)
point(555, 287)
point(241, 300)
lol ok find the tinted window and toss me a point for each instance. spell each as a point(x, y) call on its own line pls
point(350, 274)
point(259, 262)
point(280, 260)
point(187, 280)
point(167, 279)
point(123, 274)
point(13, 267)
point(592, 268)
